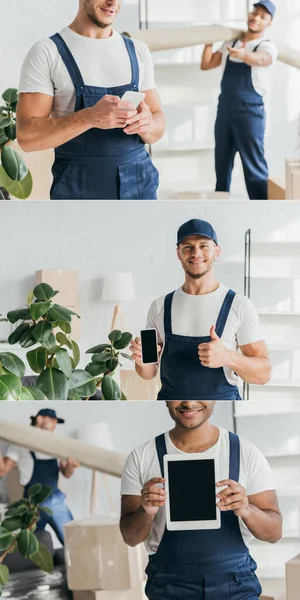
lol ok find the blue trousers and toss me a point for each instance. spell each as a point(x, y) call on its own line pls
point(61, 515)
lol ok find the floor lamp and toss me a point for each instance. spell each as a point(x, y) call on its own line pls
point(98, 434)
point(117, 289)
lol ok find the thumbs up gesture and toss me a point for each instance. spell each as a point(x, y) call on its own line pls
point(212, 354)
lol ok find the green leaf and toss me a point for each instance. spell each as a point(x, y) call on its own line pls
point(32, 393)
point(87, 390)
point(42, 331)
point(96, 369)
point(27, 543)
point(4, 121)
point(17, 334)
point(59, 313)
point(6, 539)
point(38, 309)
point(71, 312)
point(21, 314)
point(46, 510)
point(123, 397)
point(4, 575)
point(27, 338)
point(62, 339)
point(112, 364)
point(76, 353)
point(124, 341)
point(98, 349)
point(12, 163)
point(101, 357)
point(12, 363)
point(126, 356)
point(43, 559)
point(50, 343)
point(54, 384)
point(110, 388)
point(115, 335)
point(18, 189)
point(12, 523)
point(30, 299)
point(11, 131)
point(10, 96)
point(3, 138)
point(34, 490)
point(28, 519)
point(37, 359)
point(15, 511)
point(43, 292)
point(64, 362)
point(79, 378)
point(44, 493)
point(10, 387)
point(65, 327)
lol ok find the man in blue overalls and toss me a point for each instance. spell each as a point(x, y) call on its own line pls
point(201, 326)
point(200, 564)
point(70, 99)
point(240, 124)
point(37, 468)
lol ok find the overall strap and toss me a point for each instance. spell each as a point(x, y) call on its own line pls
point(33, 455)
point(161, 450)
point(235, 42)
point(68, 59)
point(167, 312)
point(133, 60)
point(234, 456)
point(256, 47)
point(224, 312)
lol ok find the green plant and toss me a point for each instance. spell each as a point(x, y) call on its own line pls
point(14, 174)
point(105, 360)
point(45, 327)
point(17, 531)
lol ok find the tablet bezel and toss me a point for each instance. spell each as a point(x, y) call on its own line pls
point(190, 525)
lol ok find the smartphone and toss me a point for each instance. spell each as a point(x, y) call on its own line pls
point(149, 346)
point(134, 97)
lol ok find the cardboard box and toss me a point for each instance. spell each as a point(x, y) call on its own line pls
point(292, 570)
point(64, 281)
point(97, 557)
point(137, 593)
point(292, 173)
point(276, 188)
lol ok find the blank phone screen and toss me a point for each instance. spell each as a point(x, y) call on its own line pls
point(192, 490)
point(149, 346)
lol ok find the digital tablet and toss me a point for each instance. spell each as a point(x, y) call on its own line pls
point(191, 492)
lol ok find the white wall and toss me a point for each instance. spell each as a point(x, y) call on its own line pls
point(99, 238)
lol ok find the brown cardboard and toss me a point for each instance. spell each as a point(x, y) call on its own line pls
point(292, 570)
point(64, 281)
point(276, 188)
point(97, 557)
point(137, 593)
point(292, 172)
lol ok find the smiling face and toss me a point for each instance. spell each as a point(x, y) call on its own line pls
point(102, 12)
point(190, 414)
point(46, 423)
point(197, 255)
point(258, 20)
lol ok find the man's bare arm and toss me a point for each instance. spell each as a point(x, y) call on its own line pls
point(6, 465)
point(210, 59)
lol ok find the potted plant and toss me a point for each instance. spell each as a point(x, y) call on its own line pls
point(45, 328)
point(17, 531)
point(15, 178)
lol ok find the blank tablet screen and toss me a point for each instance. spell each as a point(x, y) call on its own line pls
point(192, 490)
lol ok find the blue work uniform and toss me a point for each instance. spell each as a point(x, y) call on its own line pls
point(46, 472)
point(206, 564)
point(102, 164)
point(240, 127)
point(183, 377)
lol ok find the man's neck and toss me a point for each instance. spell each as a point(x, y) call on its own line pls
point(85, 27)
point(194, 440)
point(199, 287)
point(248, 36)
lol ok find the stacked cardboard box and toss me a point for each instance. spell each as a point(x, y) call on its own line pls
point(100, 566)
point(292, 172)
point(67, 284)
point(292, 570)
point(276, 188)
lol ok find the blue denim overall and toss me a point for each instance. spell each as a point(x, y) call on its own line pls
point(205, 564)
point(46, 472)
point(240, 127)
point(183, 377)
point(102, 164)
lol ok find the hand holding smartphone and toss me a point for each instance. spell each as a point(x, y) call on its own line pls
point(135, 98)
point(149, 346)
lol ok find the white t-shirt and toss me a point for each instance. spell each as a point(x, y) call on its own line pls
point(142, 465)
point(102, 63)
point(194, 315)
point(260, 75)
point(22, 457)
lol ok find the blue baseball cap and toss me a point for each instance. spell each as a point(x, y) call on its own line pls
point(196, 227)
point(49, 412)
point(268, 5)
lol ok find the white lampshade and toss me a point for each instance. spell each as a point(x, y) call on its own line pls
point(118, 288)
point(96, 434)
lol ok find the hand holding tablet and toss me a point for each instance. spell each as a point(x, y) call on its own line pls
point(153, 496)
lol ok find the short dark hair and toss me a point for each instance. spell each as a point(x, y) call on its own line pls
point(33, 421)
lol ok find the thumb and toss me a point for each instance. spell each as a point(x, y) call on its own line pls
point(213, 334)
